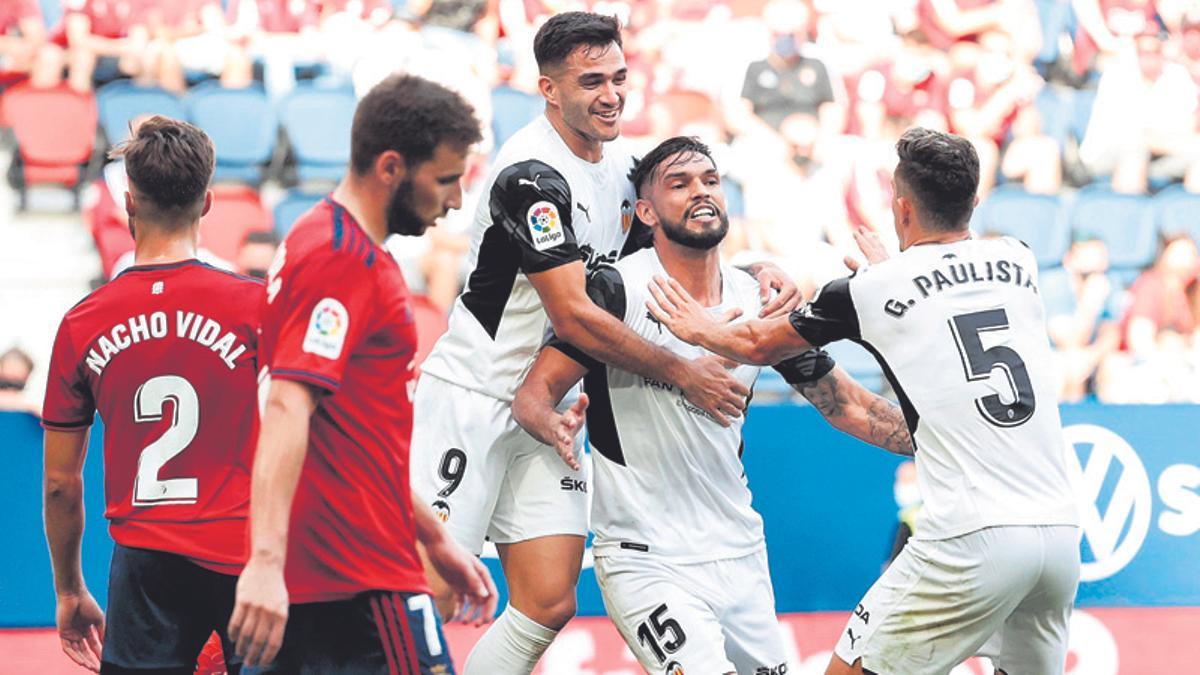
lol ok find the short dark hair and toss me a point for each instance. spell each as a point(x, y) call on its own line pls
point(169, 164)
point(682, 147)
point(942, 171)
point(412, 116)
point(563, 33)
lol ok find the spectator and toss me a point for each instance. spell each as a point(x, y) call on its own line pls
point(15, 368)
point(789, 82)
point(190, 38)
point(1082, 315)
point(1143, 124)
point(1157, 363)
point(104, 41)
point(22, 43)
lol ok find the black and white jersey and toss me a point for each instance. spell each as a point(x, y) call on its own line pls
point(545, 207)
point(668, 480)
point(960, 331)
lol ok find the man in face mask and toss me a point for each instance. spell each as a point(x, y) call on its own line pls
point(789, 82)
point(15, 367)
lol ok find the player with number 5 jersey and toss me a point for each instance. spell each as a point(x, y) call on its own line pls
point(167, 354)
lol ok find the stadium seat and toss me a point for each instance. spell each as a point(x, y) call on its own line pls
point(1081, 112)
point(292, 206)
point(1178, 211)
point(236, 211)
point(317, 122)
point(56, 133)
point(511, 110)
point(242, 125)
point(1057, 113)
point(1126, 223)
point(1038, 220)
point(121, 101)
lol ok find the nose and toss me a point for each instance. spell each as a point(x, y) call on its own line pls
point(612, 93)
point(454, 200)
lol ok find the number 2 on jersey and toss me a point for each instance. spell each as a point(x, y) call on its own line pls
point(148, 404)
point(978, 364)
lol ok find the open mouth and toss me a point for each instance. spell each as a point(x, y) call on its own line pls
point(609, 116)
point(703, 212)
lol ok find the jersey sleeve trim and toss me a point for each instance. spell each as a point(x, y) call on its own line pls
point(806, 368)
point(54, 425)
point(829, 317)
point(327, 383)
point(574, 353)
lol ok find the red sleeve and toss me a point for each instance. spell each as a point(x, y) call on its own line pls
point(319, 319)
point(69, 403)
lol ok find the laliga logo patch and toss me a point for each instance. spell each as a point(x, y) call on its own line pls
point(673, 668)
point(442, 510)
point(327, 329)
point(545, 226)
point(626, 215)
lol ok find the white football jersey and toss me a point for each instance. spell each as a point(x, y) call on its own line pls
point(668, 480)
point(960, 331)
point(545, 207)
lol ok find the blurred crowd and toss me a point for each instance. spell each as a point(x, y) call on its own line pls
point(802, 101)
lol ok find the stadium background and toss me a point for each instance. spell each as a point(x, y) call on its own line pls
point(1084, 112)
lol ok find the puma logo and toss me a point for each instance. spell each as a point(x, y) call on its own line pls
point(534, 182)
point(853, 640)
point(583, 208)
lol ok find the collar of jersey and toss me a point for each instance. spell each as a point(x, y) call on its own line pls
point(161, 266)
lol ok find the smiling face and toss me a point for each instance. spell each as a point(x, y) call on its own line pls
point(589, 88)
point(685, 201)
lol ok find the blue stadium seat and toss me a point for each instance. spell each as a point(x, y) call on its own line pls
point(1126, 223)
point(1038, 220)
point(121, 101)
point(317, 122)
point(511, 110)
point(1054, 285)
point(292, 206)
point(51, 12)
point(1054, 105)
point(1178, 211)
point(242, 125)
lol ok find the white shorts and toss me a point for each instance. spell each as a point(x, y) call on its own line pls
point(711, 617)
point(1000, 592)
point(485, 476)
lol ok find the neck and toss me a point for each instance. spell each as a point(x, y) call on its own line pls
point(938, 237)
point(698, 271)
point(153, 246)
point(587, 149)
point(367, 204)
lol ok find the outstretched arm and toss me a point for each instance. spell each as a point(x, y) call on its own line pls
point(850, 408)
point(759, 341)
point(534, 407)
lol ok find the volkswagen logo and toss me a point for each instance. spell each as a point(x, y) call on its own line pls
point(1115, 520)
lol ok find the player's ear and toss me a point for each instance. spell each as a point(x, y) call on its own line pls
point(390, 167)
point(208, 202)
point(645, 213)
point(548, 88)
point(130, 205)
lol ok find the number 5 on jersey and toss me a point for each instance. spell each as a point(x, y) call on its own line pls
point(978, 364)
point(149, 403)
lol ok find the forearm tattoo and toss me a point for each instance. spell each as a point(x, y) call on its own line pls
point(826, 396)
point(887, 427)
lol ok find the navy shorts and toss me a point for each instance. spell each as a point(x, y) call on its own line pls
point(162, 608)
point(378, 632)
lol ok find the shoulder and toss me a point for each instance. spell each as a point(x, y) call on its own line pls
point(326, 239)
point(530, 181)
point(606, 288)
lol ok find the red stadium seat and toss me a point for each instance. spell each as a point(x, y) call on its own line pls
point(236, 211)
point(110, 227)
point(56, 132)
point(431, 323)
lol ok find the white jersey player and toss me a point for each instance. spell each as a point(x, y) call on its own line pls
point(959, 328)
point(558, 198)
point(680, 554)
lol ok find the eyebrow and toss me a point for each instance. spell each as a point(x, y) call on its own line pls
point(684, 174)
point(599, 75)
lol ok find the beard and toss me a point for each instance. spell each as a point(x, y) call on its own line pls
point(402, 219)
point(701, 241)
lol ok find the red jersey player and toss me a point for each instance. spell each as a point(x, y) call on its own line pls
point(338, 338)
point(166, 353)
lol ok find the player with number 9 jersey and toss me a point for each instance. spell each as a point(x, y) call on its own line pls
point(167, 354)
